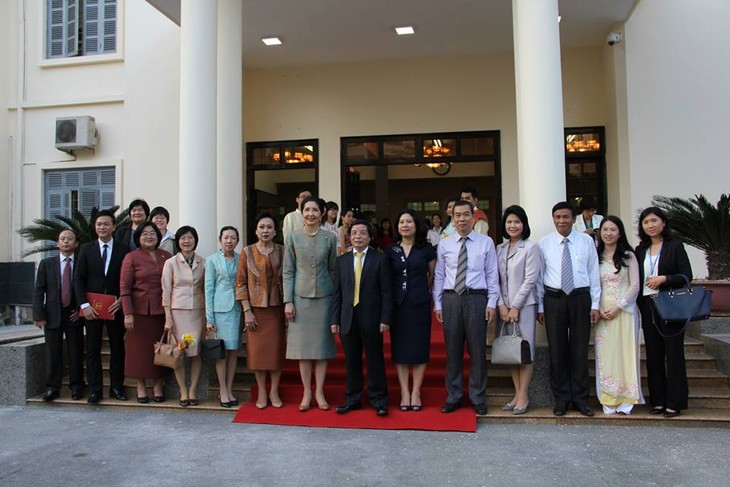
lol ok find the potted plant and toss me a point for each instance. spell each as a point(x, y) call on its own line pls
point(46, 230)
point(705, 226)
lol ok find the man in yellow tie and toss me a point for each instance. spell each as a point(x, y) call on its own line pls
point(361, 312)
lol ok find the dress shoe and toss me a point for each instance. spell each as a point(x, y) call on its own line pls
point(381, 411)
point(77, 394)
point(559, 410)
point(671, 414)
point(346, 408)
point(449, 407)
point(584, 410)
point(226, 404)
point(159, 398)
point(94, 397)
point(143, 399)
point(118, 393)
point(508, 407)
point(517, 410)
point(234, 402)
point(50, 395)
point(657, 410)
point(195, 402)
point(185, 403)
point(417, 408)
point(480, 409)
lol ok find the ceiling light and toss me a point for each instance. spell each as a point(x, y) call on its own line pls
point(405, 30)
point(271, 41)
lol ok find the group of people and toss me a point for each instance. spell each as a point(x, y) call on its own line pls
point(326, 282)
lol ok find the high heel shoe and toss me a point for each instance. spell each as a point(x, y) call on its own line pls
point(508, 407)
point(276, 403)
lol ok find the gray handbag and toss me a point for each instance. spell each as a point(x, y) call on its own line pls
point(511, 349)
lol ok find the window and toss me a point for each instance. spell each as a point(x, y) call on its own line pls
point(69, 190)
point(80, 28)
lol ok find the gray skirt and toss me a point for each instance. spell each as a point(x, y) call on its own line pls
point(308, 336)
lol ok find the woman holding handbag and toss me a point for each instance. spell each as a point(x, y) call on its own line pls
point(259, 289)
point(618, 373)
point(662, 264)
point(184, 301)
point(519, 262)
point(222, 311)
point(144, 317)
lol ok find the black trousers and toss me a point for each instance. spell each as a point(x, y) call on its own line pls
point(371, 341)
point(465, 321)
point(568, 327)
point(665, 366)
point(94, 333)
point(74, 333)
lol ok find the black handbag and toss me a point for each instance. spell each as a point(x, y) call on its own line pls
point(511, 349)
point(212, 349)
point(678, 306)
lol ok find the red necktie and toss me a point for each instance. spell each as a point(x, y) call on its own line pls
point(66, 284)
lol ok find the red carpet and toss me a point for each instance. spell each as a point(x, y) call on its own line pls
point(430, 418)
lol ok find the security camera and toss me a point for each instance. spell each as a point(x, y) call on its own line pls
point(613, 38)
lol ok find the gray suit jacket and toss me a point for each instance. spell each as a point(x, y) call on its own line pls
point(519, 273)
point(309, 265)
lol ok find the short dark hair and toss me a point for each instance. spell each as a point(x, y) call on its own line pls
point(361, 221)
point(142, 203)
point(228, 227)
point(564, 205)
point(262, 215)
point(186, 229)
point(108, 213)
point(588, 203)
point(320, 203)
point(645, 240)
point(461, 202)
point(472, 191)
point(520, 213)
point(140, 229)
point(420, 239)
point(331, 205)
point(160, 210)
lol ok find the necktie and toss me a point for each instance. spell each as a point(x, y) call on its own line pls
point(103, 257)
point(566, 270)
point(358, 274)
point(460, 281)
point(66, 283)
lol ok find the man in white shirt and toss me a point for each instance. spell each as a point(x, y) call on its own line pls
point(294, 220)
point(465, 292)
point(569, 299)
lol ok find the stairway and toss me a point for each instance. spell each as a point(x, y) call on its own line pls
point(709, 400)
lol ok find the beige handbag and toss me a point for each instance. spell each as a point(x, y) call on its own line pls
point(167, 352)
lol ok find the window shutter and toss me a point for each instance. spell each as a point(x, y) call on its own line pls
point(110, 26)
point(54, 203)
point(100, 26)
point(88, 199)
point(55, 28)
point(72, 28)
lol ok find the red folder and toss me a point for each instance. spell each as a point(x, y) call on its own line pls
point(101, 303)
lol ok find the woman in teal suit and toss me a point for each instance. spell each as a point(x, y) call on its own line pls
point(309, 266)
point(222, 311)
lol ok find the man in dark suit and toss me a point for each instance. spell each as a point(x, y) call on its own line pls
point(54, 312)
point(98, 270)
point(361, 312)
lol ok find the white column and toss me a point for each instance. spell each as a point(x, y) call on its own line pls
point(230, 115)
point(538, 86)
point(198, 28)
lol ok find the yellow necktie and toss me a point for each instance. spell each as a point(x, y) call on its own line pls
point(358, 274)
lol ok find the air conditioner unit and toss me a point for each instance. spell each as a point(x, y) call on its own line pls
point(76, 133)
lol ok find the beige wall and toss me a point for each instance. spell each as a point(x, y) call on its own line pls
point(678, 101)
point(133, 96)
point(8, 33)
point(412, 96)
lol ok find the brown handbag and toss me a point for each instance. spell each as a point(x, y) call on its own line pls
point(167, 353)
